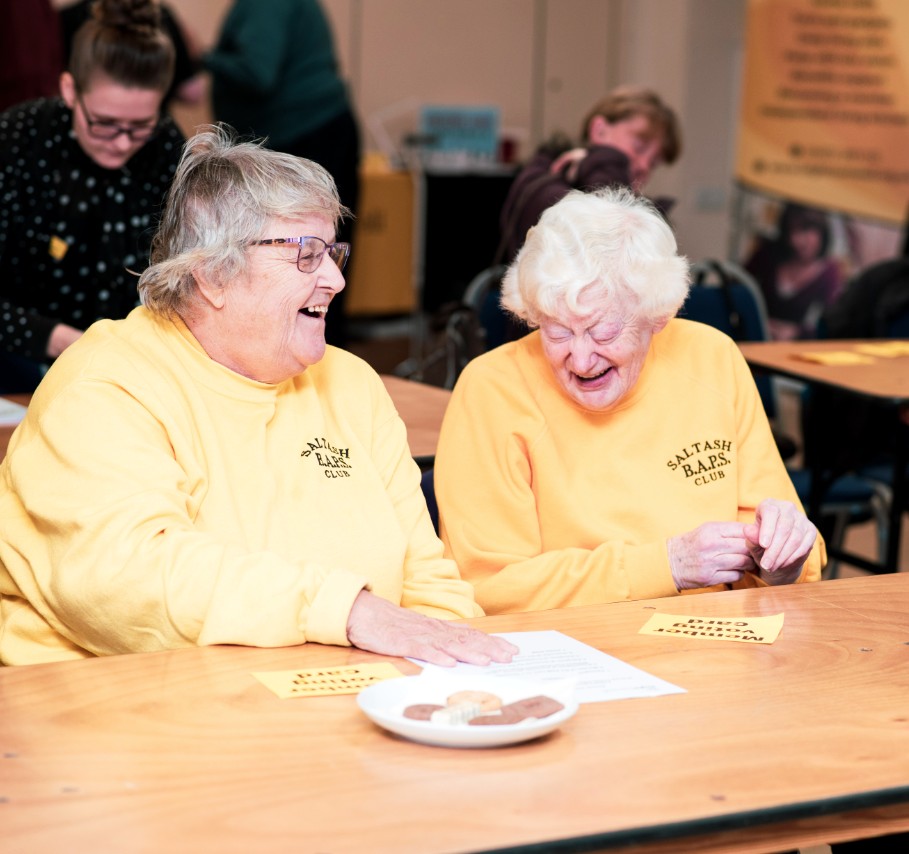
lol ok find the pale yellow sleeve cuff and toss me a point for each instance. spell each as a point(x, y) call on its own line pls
point(325, 619)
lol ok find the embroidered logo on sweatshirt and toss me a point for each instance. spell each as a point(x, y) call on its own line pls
point(334, 462)
point(702, 462)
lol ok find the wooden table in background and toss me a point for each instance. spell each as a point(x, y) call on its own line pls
point(420, 406)
point(883, 379)
point(772, 747)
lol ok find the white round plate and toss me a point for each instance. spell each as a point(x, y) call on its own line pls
point(384, 704)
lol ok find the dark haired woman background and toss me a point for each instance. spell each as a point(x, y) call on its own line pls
point(796, 273)
point(82, 178)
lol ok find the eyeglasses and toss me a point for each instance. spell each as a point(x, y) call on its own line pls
point(311, 250)
point(106, 129)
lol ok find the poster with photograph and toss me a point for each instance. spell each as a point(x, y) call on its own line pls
point(802, 256)
point(821, 161)
point(825, 105)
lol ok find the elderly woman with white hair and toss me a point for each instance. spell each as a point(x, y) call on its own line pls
point(616, 452)
point(206, 471)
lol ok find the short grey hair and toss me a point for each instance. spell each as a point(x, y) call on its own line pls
point(611, 246)
point(223, 194)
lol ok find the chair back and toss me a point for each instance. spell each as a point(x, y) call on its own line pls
point(725, 296)
point(482, 296)
point(474, 325)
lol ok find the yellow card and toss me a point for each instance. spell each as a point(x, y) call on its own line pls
point(741, 629)
point(322, 681)
point(835, 357)
point(57, 248)
point(884, 349)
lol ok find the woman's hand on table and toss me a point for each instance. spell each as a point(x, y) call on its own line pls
point(780, 539)
point(572, 159)
point(377, 625)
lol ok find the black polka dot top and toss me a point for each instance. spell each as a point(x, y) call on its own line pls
point(70, 230)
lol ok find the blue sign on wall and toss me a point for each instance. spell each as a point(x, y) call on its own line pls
point(473, 130)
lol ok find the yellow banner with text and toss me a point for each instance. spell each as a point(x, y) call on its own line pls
point(825, 104)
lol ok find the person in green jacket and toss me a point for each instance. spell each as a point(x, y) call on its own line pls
point(275, 75)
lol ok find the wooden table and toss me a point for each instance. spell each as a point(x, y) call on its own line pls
point(884, 379)
point(772, 747)
point(421, 407)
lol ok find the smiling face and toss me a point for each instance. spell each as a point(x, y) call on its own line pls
point(270, 324)
point(637, 138)
point(597, 357)
point(806, 243)
point(107, 103)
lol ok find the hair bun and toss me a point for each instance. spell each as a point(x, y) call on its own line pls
point(127, 14)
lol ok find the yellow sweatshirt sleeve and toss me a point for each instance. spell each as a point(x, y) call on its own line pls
point(432, 584)
point(116, 562)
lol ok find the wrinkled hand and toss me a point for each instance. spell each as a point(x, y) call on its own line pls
point(713, 553)
point(377, 625)
point(572, 159)
point(780, 539)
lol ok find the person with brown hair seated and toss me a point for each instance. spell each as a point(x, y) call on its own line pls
point(626, 136)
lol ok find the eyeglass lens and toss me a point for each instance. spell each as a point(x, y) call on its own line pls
point(103, 129)
point(313, 248)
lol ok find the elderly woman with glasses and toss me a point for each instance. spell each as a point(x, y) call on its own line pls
point(82, 179)
point(207, 471)
point(615, 452)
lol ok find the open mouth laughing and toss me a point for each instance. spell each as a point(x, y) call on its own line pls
point(594, 379)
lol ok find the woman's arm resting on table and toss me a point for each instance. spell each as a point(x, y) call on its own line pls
point(377, 625)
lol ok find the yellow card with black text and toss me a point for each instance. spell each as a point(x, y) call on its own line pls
point(740, 629)
point(885, 349)
point(323, 681)
point(835, 357)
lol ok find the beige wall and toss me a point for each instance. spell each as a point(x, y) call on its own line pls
point(544, 62)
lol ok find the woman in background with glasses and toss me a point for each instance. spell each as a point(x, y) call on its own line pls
point(82, 180)
point(219, 474)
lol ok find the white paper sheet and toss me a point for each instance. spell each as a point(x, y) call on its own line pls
point(551, 656)
point(10, 413)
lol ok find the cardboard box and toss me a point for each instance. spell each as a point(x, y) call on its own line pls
point(381, 277)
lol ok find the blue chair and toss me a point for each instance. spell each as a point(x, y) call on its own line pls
point(482, 297)
point(849, 500)
point(726, 297)
point(427, 484)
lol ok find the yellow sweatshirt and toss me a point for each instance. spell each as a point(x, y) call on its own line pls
point(544, 504)
point(153, 499)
